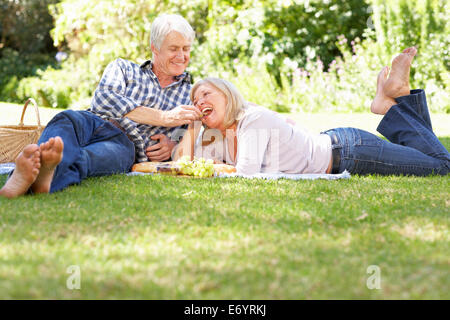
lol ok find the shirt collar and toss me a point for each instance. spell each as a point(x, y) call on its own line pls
point(185, 76)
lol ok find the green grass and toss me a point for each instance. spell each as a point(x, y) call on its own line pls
point(161, 237)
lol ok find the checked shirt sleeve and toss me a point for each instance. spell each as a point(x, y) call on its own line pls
point(110, 101)
point(110, 98)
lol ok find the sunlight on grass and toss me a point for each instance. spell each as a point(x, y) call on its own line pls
point(422, 230)
point(314, 122)
point(162, 237)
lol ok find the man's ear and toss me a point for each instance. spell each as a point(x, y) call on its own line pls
point(153, 48)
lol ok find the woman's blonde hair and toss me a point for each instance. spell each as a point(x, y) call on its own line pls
point(236, 104)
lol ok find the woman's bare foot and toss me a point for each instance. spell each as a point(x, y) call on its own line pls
point(25, 173)
point(51, 156)
point(397, 84)
point(382, 103)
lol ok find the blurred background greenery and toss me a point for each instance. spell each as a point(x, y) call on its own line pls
point(288, 55)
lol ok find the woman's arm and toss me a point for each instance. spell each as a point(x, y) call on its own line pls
point(187, 144)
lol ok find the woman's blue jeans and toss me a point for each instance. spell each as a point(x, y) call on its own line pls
point(413, 148)
point(92, 147)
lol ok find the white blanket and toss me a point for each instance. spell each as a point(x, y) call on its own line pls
point(6, 168)
point(275, 176)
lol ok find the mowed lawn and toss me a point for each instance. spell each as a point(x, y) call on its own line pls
point(162, 237)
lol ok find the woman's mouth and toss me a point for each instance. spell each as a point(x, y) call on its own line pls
point(207, 111)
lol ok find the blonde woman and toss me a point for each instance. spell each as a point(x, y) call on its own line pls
point(255, 139)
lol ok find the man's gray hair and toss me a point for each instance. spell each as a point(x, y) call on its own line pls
point(165, 23)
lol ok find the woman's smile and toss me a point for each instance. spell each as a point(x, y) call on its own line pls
point(212, 103)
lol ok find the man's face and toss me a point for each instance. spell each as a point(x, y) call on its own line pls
point(173, 57)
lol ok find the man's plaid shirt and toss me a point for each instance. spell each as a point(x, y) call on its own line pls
point(125, 86)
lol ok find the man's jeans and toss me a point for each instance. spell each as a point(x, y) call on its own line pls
point(92, 147)
point(413, 148)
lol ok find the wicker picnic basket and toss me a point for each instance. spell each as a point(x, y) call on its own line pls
point(13, 138)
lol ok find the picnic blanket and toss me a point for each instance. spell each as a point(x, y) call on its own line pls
point(6, 168)
point(275, 176)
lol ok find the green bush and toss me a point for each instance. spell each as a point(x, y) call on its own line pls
point(285, 55)
point(276, 33)
point(97, 32)
point(14, 66)
point(348, 83)
point(25, 25)
point(70, 86)
point(423, 23)
point(25, 43)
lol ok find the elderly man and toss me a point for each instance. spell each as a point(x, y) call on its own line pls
point(135, 112)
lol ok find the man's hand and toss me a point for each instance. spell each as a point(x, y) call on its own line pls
point(180, 115)
point(162, 150)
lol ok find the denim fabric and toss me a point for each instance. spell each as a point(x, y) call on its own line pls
point(413, 148)
point(92, 147)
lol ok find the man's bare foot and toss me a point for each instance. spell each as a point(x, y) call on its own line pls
point(382, 103)
point(27, 169)
point(51, 156)
point(397, 84)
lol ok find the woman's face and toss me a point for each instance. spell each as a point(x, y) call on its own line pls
point(212, 103)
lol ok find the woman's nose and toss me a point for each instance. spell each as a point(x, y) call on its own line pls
point(200, 102)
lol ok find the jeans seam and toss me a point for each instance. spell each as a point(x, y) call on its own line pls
point(390, 164)
point(419, 131)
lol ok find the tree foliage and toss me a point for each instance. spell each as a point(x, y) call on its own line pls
point(262, 45)
point(25, 42)
point(25, 25)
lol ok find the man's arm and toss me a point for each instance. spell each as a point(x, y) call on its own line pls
point(111, 101)
point(173, 118)
point(109, 97)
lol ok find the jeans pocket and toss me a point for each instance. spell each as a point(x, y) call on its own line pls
point(364, 138)
point(105, 131)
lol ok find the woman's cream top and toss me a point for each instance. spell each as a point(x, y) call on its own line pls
point(267, 143)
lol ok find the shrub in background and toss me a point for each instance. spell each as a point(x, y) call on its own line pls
point(348, 83)
point(15, 66)
point(285, 55)
point(95, 33)
point(25, 43)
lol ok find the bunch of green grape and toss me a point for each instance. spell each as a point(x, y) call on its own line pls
point(200, 167)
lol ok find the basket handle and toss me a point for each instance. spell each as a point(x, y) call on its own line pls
point(35, 108)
